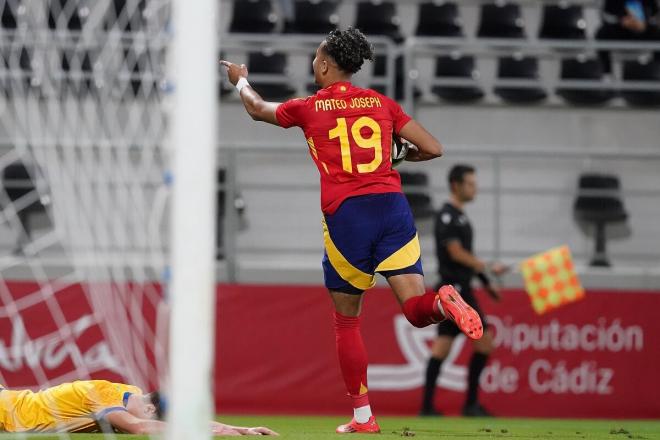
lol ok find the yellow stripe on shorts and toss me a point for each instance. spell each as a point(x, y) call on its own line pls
point(404, 257)
point(344, 268)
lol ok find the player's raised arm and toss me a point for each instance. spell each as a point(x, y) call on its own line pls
point(428, 147)
point(255, 105)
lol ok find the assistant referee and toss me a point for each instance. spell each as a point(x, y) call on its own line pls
point(457, 266)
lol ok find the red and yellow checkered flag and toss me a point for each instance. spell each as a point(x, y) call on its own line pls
point(550, 279)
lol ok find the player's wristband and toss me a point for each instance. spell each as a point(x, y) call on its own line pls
point(241, 83)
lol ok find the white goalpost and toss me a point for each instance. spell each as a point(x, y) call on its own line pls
point(108, 115)
point(194, 68)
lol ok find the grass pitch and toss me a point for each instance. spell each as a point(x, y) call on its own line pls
point(319, 428)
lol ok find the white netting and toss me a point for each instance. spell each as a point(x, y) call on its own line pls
point(83, 191)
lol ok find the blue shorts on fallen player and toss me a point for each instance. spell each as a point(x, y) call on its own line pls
point(369, 234)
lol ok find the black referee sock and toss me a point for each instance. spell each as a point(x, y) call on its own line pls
point(432, 373)
point(477, 364)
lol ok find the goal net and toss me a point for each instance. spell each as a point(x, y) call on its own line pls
point(86, 163)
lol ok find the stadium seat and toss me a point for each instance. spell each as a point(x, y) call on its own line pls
point(415, 187)
point(67, 14)
point(254, 16)
point(380, 70)
point(17, 80)
point(641, 70)
point(563, 21)
point(584, 69)
point(312, 87)
point(517, 67)
point(132, 78)
point(224, 90)
point(599, 202)
point(11, 10)
point(439, 20)
point(221, 209)
point(456, 66)
point(379, 18)
point(272, 64)
point(314, 17)
point(19, 184)
point(501, 20)
point(78, 70)
point(126, 15)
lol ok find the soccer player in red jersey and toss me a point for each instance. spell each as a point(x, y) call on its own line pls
point(368, 226)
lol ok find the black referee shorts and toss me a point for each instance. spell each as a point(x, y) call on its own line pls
point(447, 327)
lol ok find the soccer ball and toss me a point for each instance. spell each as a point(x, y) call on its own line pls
point(399, 150)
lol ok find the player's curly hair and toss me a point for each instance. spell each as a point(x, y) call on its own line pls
point(349, 49)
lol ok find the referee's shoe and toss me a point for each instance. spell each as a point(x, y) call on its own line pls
point(476, 410)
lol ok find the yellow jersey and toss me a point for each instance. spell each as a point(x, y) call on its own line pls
point(69, 407)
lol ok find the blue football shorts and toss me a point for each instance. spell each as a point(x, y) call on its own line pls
point(369, 234)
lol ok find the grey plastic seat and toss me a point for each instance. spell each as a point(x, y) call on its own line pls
point(514, 67)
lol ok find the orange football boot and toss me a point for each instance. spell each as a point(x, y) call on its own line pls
point(456, 309)
point(371, 427)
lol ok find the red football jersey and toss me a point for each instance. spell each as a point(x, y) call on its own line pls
point(349, 134)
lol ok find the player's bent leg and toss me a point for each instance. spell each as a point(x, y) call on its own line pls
point(455, 308)
point(406, 286)
point(423, 309)
point(419, 308)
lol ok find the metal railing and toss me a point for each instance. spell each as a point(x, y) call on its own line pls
point(231, 154)
point(302, 45)
point(555, 50)
point(415, 48)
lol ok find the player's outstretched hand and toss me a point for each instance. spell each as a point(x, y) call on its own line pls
point(224, 430)
point(235, 71)
point(218, 428)
point(260, 430)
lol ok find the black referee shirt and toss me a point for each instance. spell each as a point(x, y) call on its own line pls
point(452, 224)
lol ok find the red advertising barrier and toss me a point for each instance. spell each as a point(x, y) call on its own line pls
point(59, 332)
point(596, 358)
point(276, 353)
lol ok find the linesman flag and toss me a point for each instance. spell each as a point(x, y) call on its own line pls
point(550, 279)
